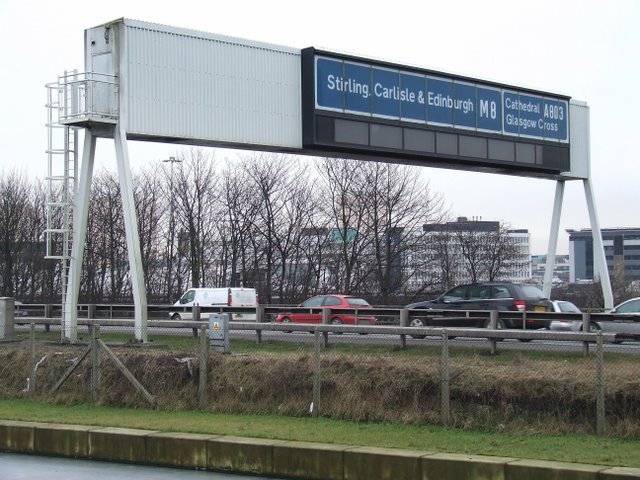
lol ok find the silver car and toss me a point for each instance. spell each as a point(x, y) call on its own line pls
point(625, 319)
point(566, 325)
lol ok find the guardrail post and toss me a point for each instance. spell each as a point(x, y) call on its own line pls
point(493, 323)
point(586, 327)
point(600, 427)
point(326, 315)
point(32, 366)
point(196, 318)
point(204, 370)
point(95, 362)
point(404, 322)
point(259, 319)
point(445, 407)
point(315, 406)
point(48, 314)
point(91, 311)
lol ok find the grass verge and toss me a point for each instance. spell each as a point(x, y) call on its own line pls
point(566, 448)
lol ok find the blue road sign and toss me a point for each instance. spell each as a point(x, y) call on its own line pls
point(375, 91)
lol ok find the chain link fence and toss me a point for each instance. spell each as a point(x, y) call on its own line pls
point(499, 380)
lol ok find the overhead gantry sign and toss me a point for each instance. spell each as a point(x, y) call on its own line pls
point(144, 81)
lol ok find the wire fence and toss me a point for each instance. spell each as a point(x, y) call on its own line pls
point(501, 380)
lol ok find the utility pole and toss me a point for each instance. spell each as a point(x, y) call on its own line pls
point(172, 226)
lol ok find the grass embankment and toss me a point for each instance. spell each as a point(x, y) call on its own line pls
point(523, 404)
point(568, 448)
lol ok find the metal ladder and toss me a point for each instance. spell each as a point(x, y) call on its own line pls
point(62, 156)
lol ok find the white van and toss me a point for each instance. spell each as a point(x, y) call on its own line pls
point(219, 297)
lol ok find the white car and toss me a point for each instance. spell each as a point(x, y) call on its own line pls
point(566, 325)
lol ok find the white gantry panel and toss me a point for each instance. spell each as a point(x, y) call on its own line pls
point(185, 85)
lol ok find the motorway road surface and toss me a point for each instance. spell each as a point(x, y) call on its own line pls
point(29, 467)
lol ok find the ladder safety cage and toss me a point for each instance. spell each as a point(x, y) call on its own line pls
point(73, 102)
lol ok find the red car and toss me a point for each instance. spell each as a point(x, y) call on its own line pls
point(330, 301)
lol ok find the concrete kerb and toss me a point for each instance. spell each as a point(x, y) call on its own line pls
point(119, 444)
point(309, 460)
point(185, 450)
point(619, 473)
point(384, 463)
point(283, 458)
point(18, 437)
point(241, 454)
point(544, 470)
point(62, 440)
point(464, 467)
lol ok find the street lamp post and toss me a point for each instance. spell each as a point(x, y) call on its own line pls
point(171, 160)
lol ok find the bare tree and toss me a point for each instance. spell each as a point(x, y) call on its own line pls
point(445, 259)
point(239, 211)
point(14, 205)
point(486, 249)
point(270, 177)
point(501, 252)
point(398, 204)
point(344, 189)
point(150, 209)
point(196, 191)
point(106, 265)
point(35, 277)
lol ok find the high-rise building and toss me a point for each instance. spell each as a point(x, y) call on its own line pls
point(461, 251)
point(621, 249)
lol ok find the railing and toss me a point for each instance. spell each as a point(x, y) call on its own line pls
point(266, 313)
point(88, 96)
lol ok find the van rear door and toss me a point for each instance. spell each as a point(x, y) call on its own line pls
point(242, 297)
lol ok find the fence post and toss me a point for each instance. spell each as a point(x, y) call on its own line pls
point(445, 407)
point(204, 369)
point(586, 327)
point(493, 322)
point(600, 428)
point(315, 408)
point(404, 321)
point(95, 362)
point(32, 366)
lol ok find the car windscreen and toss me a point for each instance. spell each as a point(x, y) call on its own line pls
point(631, 306)
point(312, 302)
point(358, 302)
point(568, 307)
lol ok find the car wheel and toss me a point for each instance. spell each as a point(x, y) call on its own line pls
point(336, 321)
point(176, 317)
point(594, 328)
point(418, 322)
point(286, 320)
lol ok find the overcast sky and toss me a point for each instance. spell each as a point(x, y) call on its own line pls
point(585, 49)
